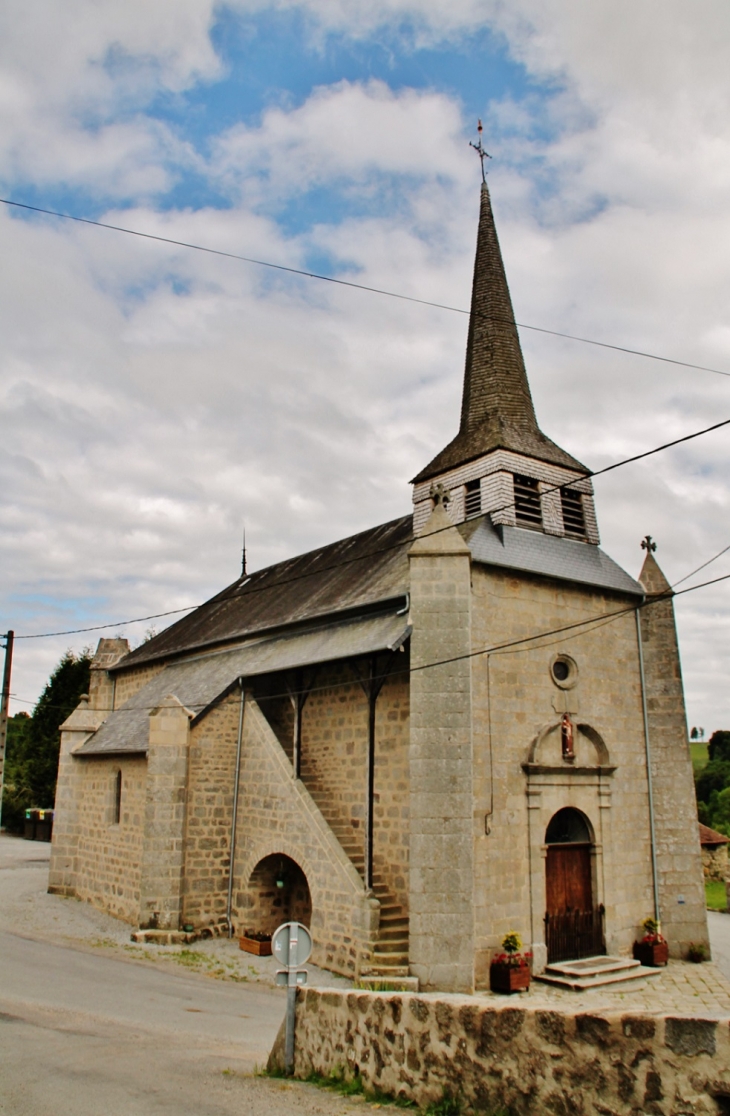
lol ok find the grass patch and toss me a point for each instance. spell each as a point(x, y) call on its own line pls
point(338, 1080)
point(698, 752)
point(449, 1105)
point(715, 895)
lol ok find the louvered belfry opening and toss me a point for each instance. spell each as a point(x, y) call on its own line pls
point(473, 498)
point(574, 522)
point(528, 510)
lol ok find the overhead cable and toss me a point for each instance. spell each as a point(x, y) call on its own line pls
point(371, 553)
point(599, 620)
point(350, 283)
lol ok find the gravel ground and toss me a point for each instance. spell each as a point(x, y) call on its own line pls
point(26, 908)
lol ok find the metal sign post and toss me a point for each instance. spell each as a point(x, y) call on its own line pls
point(291, 945)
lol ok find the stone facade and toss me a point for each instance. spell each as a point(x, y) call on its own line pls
point(521, 780)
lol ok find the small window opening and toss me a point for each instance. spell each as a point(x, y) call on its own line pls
point(573, 518)
point(528, 510)
point(118, 799)
point(473, 499)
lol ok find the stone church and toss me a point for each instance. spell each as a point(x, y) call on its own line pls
point(462, 722)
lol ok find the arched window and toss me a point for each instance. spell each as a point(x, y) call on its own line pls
point(568, 827)
point(118, 798)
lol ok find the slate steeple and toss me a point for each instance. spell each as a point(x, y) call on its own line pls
point(497, 410)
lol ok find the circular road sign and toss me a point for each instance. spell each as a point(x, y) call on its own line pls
point(291, 944)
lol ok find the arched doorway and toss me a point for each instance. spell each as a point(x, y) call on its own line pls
point(573, 924)
point(277, 892)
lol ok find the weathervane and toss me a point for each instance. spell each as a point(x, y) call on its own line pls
point(648, 544)
point(479, 148)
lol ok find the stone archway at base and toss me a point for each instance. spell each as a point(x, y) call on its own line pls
point(277, 892)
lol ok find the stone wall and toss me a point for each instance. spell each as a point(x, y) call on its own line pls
point(127, 683)
point(108, 855)
point(715, 864)
point(441, 760)
point(277, 815)
point(211, 775)
point(334, 765)
point(681, 884)
point(528, 1060)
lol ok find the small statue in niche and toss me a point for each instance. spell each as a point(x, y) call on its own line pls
point(566, 738)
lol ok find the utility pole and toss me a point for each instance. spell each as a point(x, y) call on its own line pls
point(4, 702)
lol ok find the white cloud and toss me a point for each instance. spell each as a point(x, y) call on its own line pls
point(153, 398)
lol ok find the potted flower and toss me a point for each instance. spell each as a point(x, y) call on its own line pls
point(652, 950)
point(253, 941)
point(510, 970)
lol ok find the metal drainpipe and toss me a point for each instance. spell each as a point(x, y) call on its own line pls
point(654, 869)
point(234, 819)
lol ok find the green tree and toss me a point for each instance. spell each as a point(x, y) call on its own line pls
point(32, 755)
point(715, 776)
point(718, 747)
point(720, 811)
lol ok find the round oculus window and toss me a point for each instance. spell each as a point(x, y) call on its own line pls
point(564, 672)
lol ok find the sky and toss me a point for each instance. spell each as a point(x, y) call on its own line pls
point(153, 399)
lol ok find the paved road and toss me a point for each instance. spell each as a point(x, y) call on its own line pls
point(86, 1034)
point(719, 926)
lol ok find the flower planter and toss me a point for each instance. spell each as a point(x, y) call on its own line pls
point(651, 954)
point(509, 978)
point(253, 945)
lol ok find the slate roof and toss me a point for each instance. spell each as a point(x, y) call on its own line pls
point(353, 574)
point(518, 548)
point(198, 682)
point(362, 574)
point(497, 410)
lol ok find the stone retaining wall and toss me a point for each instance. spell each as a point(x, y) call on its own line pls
point(507, 1056)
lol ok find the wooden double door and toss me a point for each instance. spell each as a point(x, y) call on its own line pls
point(573, 924)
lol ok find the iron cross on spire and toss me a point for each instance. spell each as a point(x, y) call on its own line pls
point(479, 148)
point(648, 544)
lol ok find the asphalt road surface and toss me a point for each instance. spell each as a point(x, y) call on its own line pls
point(84, 1034)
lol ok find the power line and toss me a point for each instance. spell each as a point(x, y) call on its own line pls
point(111, 624)
point(591, 623)
point(702, 567)
point(353, 285)
point(372, 553)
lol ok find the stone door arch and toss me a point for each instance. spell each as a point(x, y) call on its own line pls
point(573, 919)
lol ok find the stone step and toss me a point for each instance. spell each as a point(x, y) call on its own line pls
point(386, 956)
point(387, 983)
point(592, 966)
point(390, 933)
point(382, 969)
point(597, 972)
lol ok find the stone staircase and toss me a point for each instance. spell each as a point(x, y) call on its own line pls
point(390, 960)
point(620, 973)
